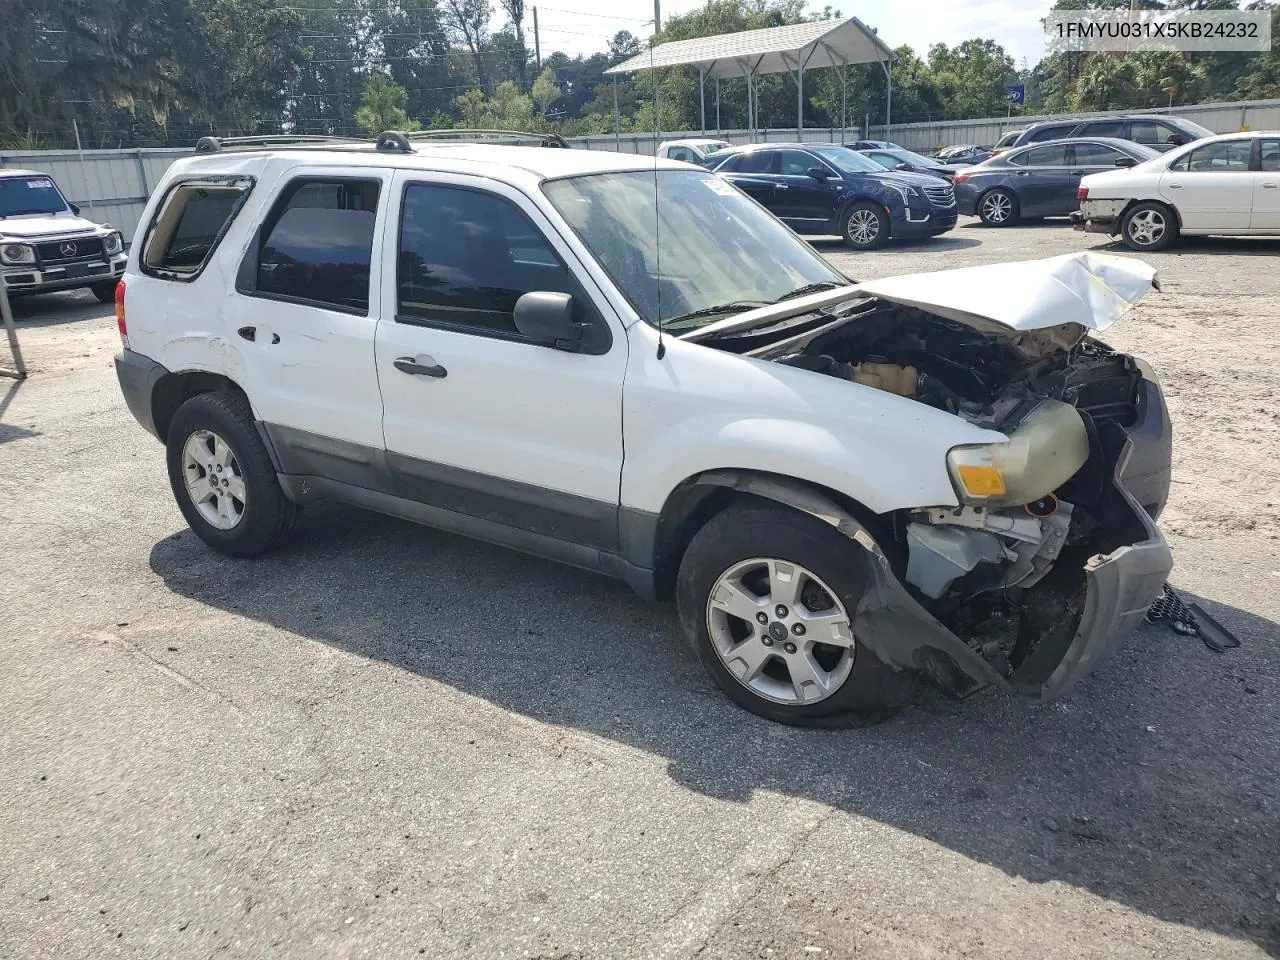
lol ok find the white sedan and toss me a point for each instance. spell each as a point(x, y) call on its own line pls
point(1225, 185)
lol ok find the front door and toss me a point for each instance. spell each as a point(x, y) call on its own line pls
point(1266, 187)
point(1045, 184)
point(1212, 186)
point(303, 321)
point(805, 202)
point(478, 420)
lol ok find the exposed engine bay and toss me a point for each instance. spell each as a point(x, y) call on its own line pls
point(1061, 398)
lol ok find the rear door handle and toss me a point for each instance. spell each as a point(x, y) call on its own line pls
point(410, 365)
point(251, 334)
point(1174, 186)
point(781, 186)
point(1270, 186)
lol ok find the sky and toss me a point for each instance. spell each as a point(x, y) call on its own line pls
point(585, 26)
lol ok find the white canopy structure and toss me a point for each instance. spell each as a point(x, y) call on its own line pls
point(792, 49)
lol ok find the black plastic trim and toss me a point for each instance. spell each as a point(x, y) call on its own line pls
point(138, 376)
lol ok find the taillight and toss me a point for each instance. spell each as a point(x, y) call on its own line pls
point(1082, 192)
point(120, 324)
point(962, 177)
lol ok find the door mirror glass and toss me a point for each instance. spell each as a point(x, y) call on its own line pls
point(818, 173)
point(1126, 162)
point(1177, 139)
point(74, 208)
point(547, 318)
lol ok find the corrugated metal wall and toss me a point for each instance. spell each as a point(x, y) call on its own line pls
point(113, 185)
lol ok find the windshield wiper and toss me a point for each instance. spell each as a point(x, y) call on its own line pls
point(810, 288)
point(732, 307)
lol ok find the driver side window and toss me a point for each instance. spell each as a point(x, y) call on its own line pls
point(465, 257)
point(796, 163)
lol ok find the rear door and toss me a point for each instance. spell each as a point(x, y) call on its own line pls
point(1212, 186)
point(755, 174)
point(1266, 187)
point(303, 317)
point(478, 419)
point(1045, 184)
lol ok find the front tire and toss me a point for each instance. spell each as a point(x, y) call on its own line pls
point(1149, 226)
point(998, 208)
point(104, 291)
point(864, 226)
point(223, 478)
point(768, 596)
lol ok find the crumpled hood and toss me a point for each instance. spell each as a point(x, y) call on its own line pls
point(1076, 292)
point(44, 226)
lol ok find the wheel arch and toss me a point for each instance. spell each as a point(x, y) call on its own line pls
point(173, 389)
point(698, 498)
point(874, 196)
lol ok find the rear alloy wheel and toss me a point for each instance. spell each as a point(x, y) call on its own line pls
point(104, 291)
point(1149, 226)
point(998, 208)
point(865, 226)
point(768, 596)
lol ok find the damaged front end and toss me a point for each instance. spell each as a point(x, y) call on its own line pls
point(1052, 555)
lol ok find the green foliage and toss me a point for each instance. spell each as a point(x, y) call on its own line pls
point(383, 108)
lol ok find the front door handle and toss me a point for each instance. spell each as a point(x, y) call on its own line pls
point(410, 365)
point(1270, 186)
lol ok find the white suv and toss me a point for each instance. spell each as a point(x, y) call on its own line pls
point(45, 244)
point(841, 486)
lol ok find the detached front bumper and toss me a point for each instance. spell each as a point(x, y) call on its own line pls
point(37, 278)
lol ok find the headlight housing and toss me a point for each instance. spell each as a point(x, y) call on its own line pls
point(112, 243)
point(15, 253)
point(905, 190)
point(1042, 454)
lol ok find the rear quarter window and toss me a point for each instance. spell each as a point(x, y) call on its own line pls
point(190, 223)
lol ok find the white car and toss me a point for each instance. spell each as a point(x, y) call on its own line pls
point(698, 150)
point(46, 245)
point(1227, 186)
point(840, 485)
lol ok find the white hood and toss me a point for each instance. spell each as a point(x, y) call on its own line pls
point(47, 226)
point(1089, 290)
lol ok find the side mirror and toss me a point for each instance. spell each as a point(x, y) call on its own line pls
point(818, 173)
point(547, 318)
point(74, 209)
point(1126, 162)
point(1176, 139)
point(903, 166)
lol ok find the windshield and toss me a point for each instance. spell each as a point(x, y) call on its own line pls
point(845, 160)
point(710, 148)
point(29, 195)
point(906, 156)
point(1190, 126)
point(713, 247)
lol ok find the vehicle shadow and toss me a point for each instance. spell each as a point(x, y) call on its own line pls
point(1213, 246)
point(946, 241)
point(1033, 223)
point(51, 309)
point(1153, 786)
point(9, 431)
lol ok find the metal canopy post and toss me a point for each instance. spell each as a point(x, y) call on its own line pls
point(617, 117)
point(887, 65)
point(702, 99)
point(718, 127)
point(19, 371)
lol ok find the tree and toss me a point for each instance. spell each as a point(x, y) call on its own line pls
point(545, 92)
point(469, 22)
point(383, 107)
point(623, 46)
point(515, 12)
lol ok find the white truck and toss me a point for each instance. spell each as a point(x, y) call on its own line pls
point(45, 244)
point(841, 485)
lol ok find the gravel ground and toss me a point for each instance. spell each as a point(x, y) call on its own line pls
point(387, 742)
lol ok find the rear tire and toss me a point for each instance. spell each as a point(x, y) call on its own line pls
point(864, 226)
point(1149, 226)
point(105, 291)
point(767, 560)
point(998, 208)
point(223, 478)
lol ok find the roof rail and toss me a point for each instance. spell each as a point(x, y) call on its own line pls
point(485, 136)
point(219, 144)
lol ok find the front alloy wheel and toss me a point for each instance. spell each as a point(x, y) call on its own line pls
point(780, 631)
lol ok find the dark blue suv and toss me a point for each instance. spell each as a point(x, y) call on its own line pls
point(821, 188)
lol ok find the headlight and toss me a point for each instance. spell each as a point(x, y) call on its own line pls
point(112, 244)
point(906, 191)
point(1042, 454)
point(17, 253)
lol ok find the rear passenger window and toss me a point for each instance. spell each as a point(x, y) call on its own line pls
point(317, 244)
point(1050, 155)
point(190, 222)
point(1049, 133)
point(1105, 128)
point(466, 257)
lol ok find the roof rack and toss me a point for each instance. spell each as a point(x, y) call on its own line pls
point(479, 136)
point(219, 144)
